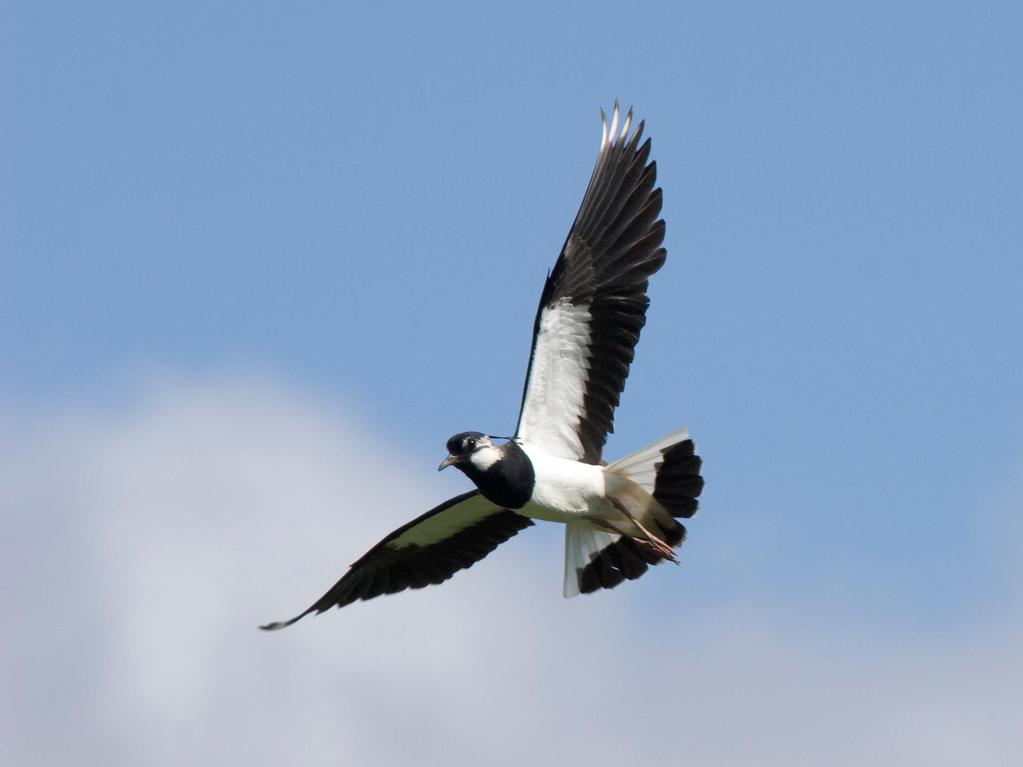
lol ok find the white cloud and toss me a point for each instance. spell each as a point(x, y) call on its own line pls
point(142, 544)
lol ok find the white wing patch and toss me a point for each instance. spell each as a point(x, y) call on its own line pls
point(554, 399)
point(441, 526)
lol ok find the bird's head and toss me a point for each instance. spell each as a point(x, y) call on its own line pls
point(470, 450)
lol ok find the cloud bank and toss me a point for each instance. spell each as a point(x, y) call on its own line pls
point(143, 542)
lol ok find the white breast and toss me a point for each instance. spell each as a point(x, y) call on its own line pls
point(564, 489)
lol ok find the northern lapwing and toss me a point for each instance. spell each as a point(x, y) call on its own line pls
point(619, 518)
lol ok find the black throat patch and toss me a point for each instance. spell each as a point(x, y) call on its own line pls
point(508, 482)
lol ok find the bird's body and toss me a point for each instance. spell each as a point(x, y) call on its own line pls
point(620, 517)
point(564, 489)
point(534, 484)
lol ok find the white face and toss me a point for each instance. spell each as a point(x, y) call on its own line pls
point(485, 455)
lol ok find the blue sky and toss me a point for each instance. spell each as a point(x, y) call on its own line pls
point(357, 206)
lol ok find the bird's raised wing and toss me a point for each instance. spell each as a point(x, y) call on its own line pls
point(594, 302)
point(429, 549)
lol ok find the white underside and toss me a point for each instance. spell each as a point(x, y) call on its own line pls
point(565, 489)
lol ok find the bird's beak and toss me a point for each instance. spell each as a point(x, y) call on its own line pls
point(450, 460)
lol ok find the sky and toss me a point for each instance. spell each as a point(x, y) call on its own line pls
point(258, 262)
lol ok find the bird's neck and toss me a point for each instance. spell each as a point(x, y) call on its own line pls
point(508, 482)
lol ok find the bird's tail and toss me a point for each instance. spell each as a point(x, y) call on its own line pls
point(669, 470)
point(653, 486)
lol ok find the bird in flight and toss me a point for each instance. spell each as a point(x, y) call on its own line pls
point(619, 518)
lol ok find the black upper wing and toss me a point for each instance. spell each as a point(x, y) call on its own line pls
point(429, 549)
point(594, 303)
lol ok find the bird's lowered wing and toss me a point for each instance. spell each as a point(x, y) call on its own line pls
point(594, 302)
point(429, 549)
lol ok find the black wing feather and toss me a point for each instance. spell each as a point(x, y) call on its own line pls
point(388, 569)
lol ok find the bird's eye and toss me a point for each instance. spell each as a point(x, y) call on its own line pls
point(470, 444)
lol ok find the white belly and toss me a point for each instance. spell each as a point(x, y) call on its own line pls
point(564, 489)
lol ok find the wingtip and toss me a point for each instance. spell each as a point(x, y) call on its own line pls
point(275, 626)
point(278, 625)
point(617, 132)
